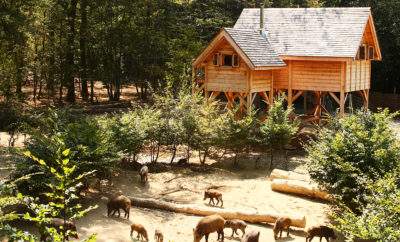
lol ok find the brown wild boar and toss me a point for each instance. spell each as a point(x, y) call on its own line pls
point(321, 231)
point(207, 225)
point(119, 202)
point(141, 231)
point(158, 236)
point(211, 194)
point(144, 172)
point(252, 236)
point(59, 225)
point(236, 224)
point(281, 224)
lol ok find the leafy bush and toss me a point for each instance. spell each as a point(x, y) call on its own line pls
point(125, 133)
point(352, 152)
point(62, 195)
point(238, 132)
point(59, 131)
point(278, 130)
point(379, 218)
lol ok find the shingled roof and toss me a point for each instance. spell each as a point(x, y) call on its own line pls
point(321, 32)
point(255, 47)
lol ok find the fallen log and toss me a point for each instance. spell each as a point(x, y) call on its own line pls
point(302, 188)
point(289, 175)
point(297, 220)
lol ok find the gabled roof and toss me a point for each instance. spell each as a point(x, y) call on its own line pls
point(311, 32)
point(253, 48)
point(256, 47)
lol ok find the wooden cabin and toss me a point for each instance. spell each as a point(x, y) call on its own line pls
point(326, 52)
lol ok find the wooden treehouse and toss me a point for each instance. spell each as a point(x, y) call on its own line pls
point(325, 53)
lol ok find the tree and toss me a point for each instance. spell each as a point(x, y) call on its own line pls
point(237, 132)
point(125, 132)
point(278, 130)
point(352, 152)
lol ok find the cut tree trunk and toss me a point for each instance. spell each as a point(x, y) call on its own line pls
point(252, 217)
point(302, 188)
point(289, 175)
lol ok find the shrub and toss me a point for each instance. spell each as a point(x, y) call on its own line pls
point(60, 130)
point(238, 132)
point(62, 195)
point(379, 218)
point(125, 133)
point(278, 130)
point(352, 152)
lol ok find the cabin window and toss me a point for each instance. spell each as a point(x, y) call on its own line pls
point(231, 60)
point(215, 60)
point(235, 61)
point(227, 60)
point(362, 53)
point(371, 52)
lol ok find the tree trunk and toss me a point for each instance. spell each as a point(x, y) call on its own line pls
point(252, 217)
point(52, 61)
point(69, 77)
point(173, 153)
point(19, 74)
point(83, 52)
point(302, 188)
point(91, 90)
point(271, 159)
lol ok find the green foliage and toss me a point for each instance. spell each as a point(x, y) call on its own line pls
point(379, 218)
point(124, 132)
point(62, 194)
point(353, 152)
point(278, 130)
point(61, 130)
point(238, 132)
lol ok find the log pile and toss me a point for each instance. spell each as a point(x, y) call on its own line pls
point(298, 184)
point(251, 217)
point(297, 187)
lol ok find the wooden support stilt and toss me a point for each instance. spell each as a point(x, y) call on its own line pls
point(249, 101)
point(333, 95)
point(305, 102)
point(342, 100)
point(289, 96)
point(366, 106)
point(271, 91)
point(296, 96)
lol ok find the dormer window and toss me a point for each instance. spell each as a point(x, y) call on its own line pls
point(362, 52)
point(371, 52)
point(215, 59)
point(227, 60)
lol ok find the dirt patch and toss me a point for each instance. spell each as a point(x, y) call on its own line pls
point(245, 189)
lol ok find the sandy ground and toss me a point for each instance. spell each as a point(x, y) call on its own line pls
point(247, 189)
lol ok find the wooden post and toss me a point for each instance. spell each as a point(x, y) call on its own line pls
point(305, 102)
point(366, 103)
point(271, 92)
point(342, 89)
point(290, 84)
point(249, 102)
